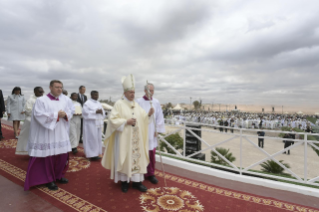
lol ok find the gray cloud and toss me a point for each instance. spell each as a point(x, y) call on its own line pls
point(219, 51)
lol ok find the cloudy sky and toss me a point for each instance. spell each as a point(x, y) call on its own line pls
point(233, 52)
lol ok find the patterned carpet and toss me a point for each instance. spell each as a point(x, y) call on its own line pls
point(90, 189)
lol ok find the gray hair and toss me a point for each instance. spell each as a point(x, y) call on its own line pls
point(145, 87)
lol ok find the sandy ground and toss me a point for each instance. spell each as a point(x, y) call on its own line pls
point(251, 154)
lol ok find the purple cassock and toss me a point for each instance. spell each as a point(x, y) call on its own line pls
point(48, 142)
point(151, 165)
point(45, 170)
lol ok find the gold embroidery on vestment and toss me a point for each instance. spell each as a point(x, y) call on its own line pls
point(135, 150)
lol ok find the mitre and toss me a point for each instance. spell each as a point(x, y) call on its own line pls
point(128, 83)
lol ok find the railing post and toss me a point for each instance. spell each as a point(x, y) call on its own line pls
point(184, 146)
point(306, 156)
point(241, 146)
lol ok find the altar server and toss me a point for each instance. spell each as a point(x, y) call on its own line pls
point(70, 103)
point(49, 142)
point(75, 123)
point(22, 148)
point(93, 122)
point(126, 143)
point(152, 132)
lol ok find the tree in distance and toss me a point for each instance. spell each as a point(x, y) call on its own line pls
point(196, 105)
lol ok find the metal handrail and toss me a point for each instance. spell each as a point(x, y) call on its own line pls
point(241, 170)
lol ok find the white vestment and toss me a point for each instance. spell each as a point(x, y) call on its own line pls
point(22, 145)
point(48, 133)
point(70, 105)
point(158, 117)
point(118, 176)
point(92, 128)
point(75, 126)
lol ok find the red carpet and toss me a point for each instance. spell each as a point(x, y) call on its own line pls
point(90, 189)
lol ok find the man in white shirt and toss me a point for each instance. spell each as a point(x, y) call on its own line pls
point(75, 123)
point(93, 122)
point(22, 145)
point(146, 102)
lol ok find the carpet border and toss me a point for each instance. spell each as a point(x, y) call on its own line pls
point(61, 195)
point(237, 195)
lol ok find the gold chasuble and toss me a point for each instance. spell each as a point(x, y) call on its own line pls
point(133, 155)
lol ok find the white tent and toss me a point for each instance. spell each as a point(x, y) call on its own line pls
point(316, 113)
point(106, 106)
point(178, 107)
point(300, 112)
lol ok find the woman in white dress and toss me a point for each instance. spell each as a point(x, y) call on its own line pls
point(15, 108)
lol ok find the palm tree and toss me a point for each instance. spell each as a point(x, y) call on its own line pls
point(224, 152)
point(271, 166)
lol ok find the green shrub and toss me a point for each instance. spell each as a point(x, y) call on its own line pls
point(175, 140)
point(224, 152)
point(271, 166)
point(311, 119)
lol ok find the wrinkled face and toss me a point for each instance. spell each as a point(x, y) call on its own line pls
point(95, 96)
point(56, 89)
point(39, 92)
point(82, 90)
point(74, 97)
point(130, 95)
point(151, 90)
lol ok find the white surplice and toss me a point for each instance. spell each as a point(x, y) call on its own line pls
point(92, 128)
point(158, 117)
point(75, 126)
point(22, 145)
point(48, 133)
point(70, 105)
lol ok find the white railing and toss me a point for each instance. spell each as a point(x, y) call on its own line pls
point(239, 134)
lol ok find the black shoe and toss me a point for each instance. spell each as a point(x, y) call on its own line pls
point(81, 142)
point(139, 186)
point(96, 158)
point(52, 186)
point(63, 181)
point(125, 186)
point(1, 137)
point(153, 179)
point(74, 150)
point(284, 153)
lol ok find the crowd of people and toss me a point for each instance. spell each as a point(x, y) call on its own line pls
point(55, 124)
point(225, 121)
point(244, 120)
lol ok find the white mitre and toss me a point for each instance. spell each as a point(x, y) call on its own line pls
point(128, 83)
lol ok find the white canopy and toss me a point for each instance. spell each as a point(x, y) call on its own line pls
point(178, 107)
point(106, 106)
point(300, 112)
point(316, 113)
